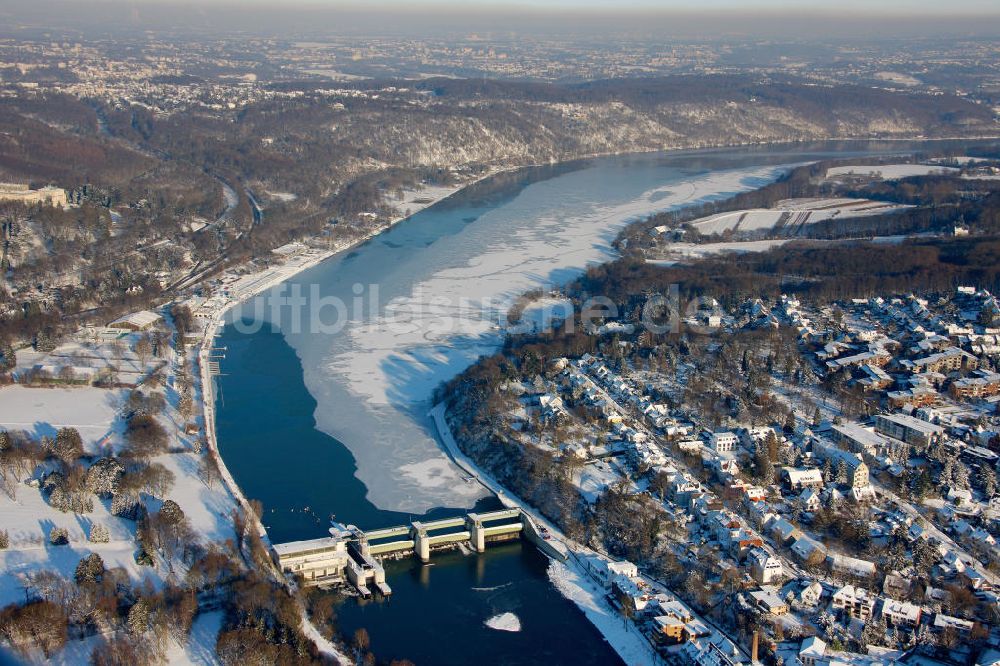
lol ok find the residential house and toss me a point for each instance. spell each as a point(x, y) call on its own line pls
point(896, 585)
point(689, 445)
point(811, 594)
point(809, 500)
point(765, 566)
point(916, 432)
point(769, 602)
point(812, 651)
point(802, 478)
point(946, 361)
point(674, 622)
point(916, 396)
point(137, 321)
point(808, 550)
point(552, 407)
point(854, 602)
point(983, 385)
point(783, 531)
point(724, 442)
point(857, 470)
point(900, 614)
point(875, 358)
point(858, 439)
point(942, 622)
point(851, 566)
point(606, 570)
point(874, 378)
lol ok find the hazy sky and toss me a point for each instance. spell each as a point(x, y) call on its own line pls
point(798, 6)
point(930, 6)
point(772, 19)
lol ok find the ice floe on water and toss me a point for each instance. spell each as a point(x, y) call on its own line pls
point(490, 589)
point(504, 622)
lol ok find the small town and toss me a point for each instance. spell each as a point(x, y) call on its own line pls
point(841, 509)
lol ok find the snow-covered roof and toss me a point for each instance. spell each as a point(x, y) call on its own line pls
point(142, 319)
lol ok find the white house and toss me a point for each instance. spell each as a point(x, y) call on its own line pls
point(854, 601)
point(724, 442)
point(606, 570)
point(942, 622)
point(809, 500)
point(765, 567)
point(900, 614)
point(812, 651)
point(811, 594)
point(851, 566)
point(803, 478)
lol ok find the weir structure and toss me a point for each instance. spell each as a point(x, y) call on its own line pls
point(351, 555)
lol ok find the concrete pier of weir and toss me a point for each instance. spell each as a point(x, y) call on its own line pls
point(352, 556)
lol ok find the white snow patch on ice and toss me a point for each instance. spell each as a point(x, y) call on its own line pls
point(504, 622)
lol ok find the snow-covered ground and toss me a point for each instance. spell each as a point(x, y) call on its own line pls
point(42, 411)
point(29, 519)
point(890, 171)
point(595, 478)
point(415, 200)
point(91, 352)
point(963, 160)
point(581, 590)
point(542, 314)
point(198, 650)
point(283, 197)
point(681, 251)
point(897, 78)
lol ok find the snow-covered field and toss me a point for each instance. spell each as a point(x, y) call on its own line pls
point(890, 171)
point(89, 356)
point(680, 251)
point(898, 78)
point(792, 214)
point(443, 305)
point(541, 314)
point(594, 478)
point(415, 200)
point(29, 519)
point(42, 411)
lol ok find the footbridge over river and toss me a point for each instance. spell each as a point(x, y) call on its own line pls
point(351, 555)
